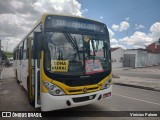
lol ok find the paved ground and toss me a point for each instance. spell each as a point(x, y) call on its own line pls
point(142, 77)
point(12, 95)
point(14, 98)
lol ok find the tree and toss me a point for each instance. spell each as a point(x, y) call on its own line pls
point(4, 56)
point(9, 54)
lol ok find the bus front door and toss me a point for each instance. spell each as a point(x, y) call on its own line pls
point(31, 81)
point(34, 70)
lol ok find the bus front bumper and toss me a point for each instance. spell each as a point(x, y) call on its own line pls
point(50, 102)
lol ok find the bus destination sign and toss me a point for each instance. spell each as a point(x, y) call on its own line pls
point(74, 24)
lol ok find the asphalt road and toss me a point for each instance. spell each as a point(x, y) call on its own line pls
point(14, 98)
point(136, 74)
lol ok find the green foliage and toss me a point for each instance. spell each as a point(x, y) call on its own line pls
point(6, 55)
point(9, 54)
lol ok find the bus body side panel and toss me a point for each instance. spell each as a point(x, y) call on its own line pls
point(19, 70)
point(24, 73)
point(15, 66)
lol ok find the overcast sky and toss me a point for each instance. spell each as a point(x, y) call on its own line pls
point(132, 23)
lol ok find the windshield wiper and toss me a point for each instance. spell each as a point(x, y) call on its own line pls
point(69, 40)
point(77, 48)
point(105, 50)
point(94, 53)
point(73, 42)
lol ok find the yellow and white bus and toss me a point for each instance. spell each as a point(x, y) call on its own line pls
point(64, 62)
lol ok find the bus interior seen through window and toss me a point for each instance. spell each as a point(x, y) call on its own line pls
point(76, 49)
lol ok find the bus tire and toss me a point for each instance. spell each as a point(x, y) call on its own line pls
point(31, 101)
point(17, 77)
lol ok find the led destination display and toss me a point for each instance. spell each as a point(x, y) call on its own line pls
point(74, 24)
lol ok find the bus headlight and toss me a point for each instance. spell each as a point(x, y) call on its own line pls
point(107, 84)
point(53, 89)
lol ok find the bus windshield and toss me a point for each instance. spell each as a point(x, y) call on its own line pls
point(76, 54)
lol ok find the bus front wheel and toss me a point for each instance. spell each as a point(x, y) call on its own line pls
point(17, 78)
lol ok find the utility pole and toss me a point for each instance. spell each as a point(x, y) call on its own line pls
point(6, 46)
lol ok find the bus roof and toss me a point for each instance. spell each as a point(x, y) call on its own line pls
point(72, 16)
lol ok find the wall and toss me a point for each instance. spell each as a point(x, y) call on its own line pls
point(153, 59)
point(141, 58)
point(144, 59)
point(132, 52)
point(117, 58)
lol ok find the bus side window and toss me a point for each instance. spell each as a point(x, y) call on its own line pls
point(14, 55)
point(17, 54)
point(21, 51)
point(37, 47)
point(25, 56)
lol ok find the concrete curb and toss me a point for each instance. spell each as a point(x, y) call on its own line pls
point(136, 86)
